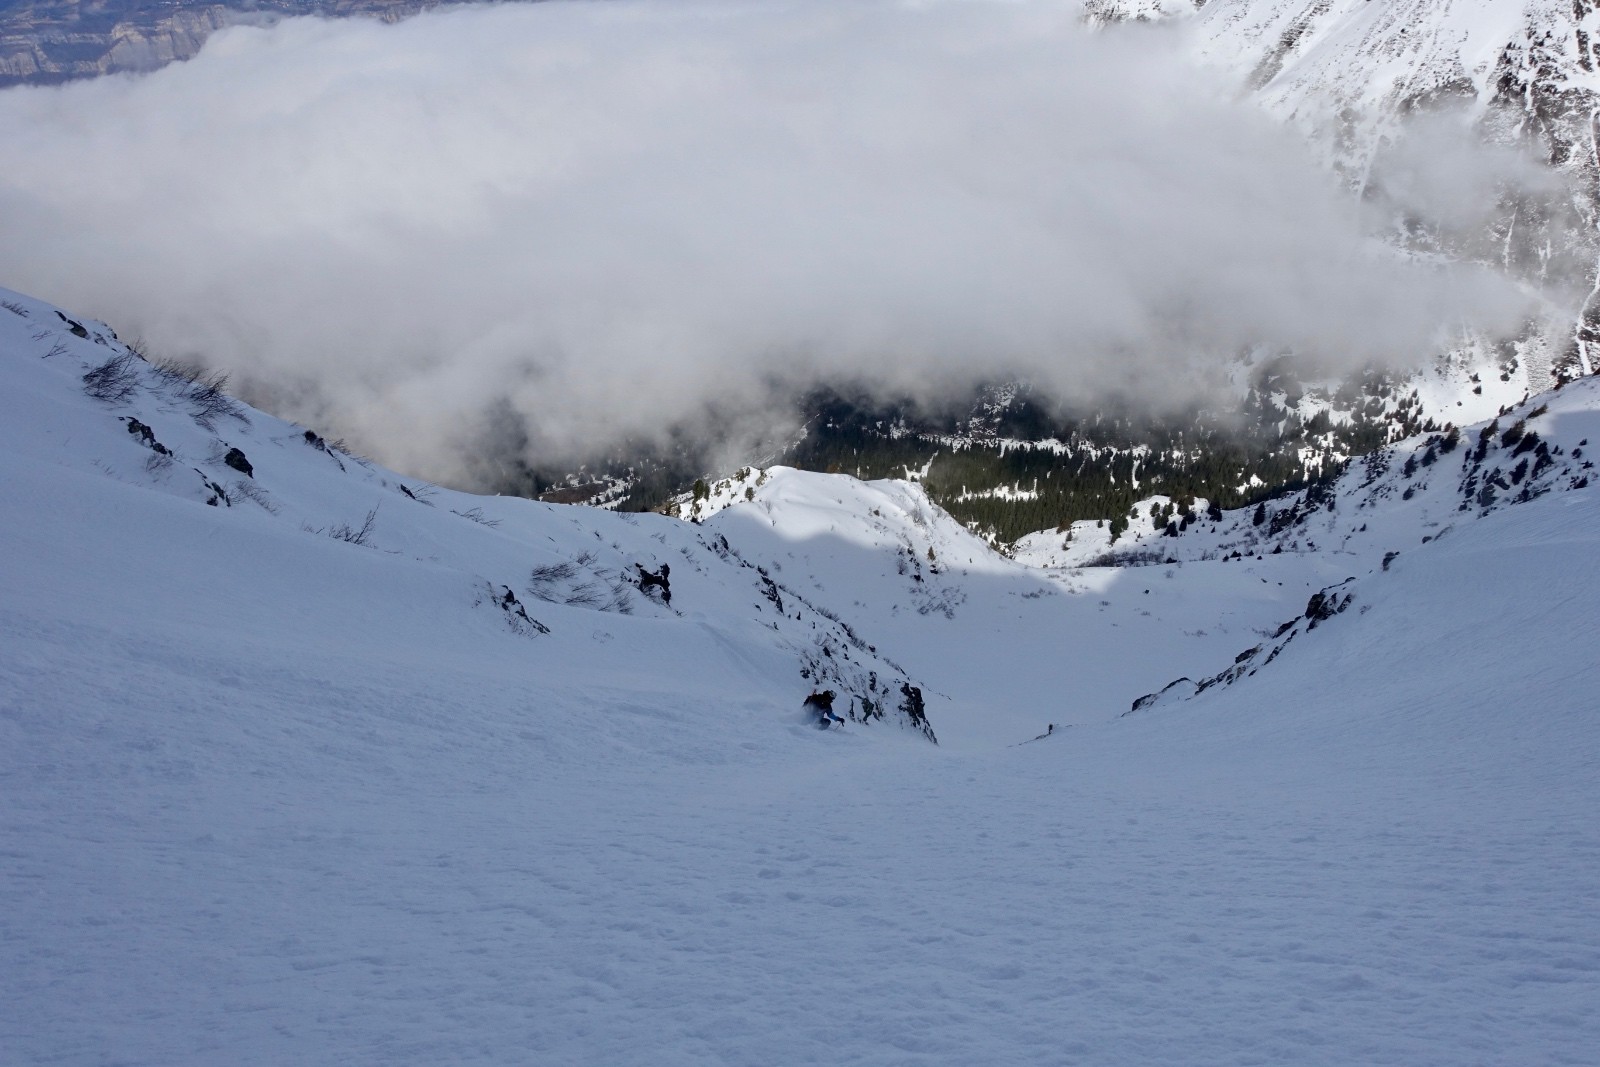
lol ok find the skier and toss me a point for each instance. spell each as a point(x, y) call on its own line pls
point(821, 704)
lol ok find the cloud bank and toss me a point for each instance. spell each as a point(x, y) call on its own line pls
point(547, 227)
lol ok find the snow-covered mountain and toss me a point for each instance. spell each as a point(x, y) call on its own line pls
point(1016, 460)
point(306, 761)
point(538, 576)
point(1405, 95)
point(1350, 72)
point(1466, 127)
point(1426, 485)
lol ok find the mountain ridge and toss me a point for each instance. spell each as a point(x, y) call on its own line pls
point(46, 42)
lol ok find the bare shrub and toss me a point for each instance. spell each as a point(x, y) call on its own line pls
point(202, 390)
point(113, 381)
point(422, 494)
point(249, 490)
point(171, 371)
point(343, 448)
point(585, 595)
point(357, 535)
point(14, 308)
point(579, 583)
point(477, 516)
point(551, 573)
point(208, 403)
point(621, 600)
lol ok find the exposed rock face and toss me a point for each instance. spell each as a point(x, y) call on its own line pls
point(50, 41)
point(178, 36)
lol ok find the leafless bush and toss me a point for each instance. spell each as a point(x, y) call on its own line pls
point(422, 494)
point(14, 308)
point(208, 403)
point(357, 536)
point(477, 516)
point(57, 349)
point(551, 573)
point(202, 390)
point(252, 492)
point(579, 583)
point(621, 600)
point(171, 371)
point(343, 448)
point(113, 381)
point(585, 595)
point(158, 463)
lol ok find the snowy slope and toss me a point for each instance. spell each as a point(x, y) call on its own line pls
point(439, 563)
point(1375, 59)
point(269, 796)
point(1071, 647)
point(1378, 510)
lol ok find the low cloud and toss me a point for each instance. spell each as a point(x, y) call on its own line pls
point(539, 229)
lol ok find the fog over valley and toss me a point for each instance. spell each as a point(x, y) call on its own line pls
point(533, 231)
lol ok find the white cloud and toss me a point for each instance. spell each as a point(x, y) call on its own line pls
point(597, 217)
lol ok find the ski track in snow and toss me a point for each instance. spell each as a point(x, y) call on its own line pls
point(269, 798)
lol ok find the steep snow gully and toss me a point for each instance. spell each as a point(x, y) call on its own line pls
point(343, 768)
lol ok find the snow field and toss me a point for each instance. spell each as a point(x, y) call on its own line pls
point(267, 796)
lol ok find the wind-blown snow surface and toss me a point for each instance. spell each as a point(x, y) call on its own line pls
point(268, 797)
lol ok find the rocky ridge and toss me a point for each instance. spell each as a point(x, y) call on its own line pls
point(45, 42)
